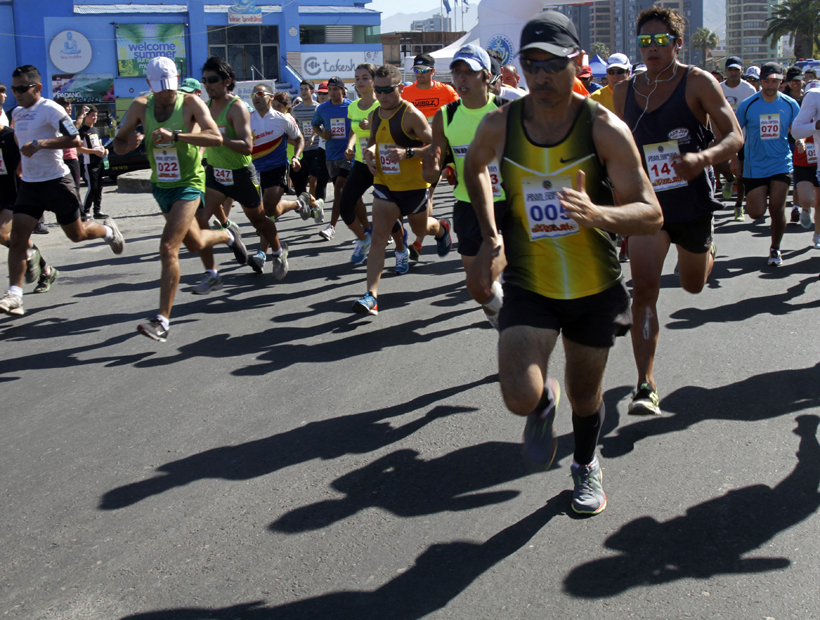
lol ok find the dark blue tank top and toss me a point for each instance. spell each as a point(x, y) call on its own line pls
point(673, 121)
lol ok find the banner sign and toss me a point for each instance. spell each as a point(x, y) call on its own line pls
point(343, 64)
point(84, 87)
point(137, 44)
point(244, 12)
point(70, 51)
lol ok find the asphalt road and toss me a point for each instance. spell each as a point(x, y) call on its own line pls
point(281, 457)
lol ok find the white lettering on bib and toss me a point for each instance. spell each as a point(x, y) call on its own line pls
point(337, 128)
point(660, 164)
point(546, 217)
point(769, 126)
point(3, 170)
point(167, 165)
point(363, 143)
point(307, 129)
point(495, 178)
point(223, 176)
point(811, 152)
point(387, 166)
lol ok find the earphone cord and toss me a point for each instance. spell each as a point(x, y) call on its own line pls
point(669, 79)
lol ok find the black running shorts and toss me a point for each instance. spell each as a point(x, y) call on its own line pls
point(60, 196)
point(807, 174)
point(244, 188)
point(694, 236)
point(467, 228)
point(278, 177)
point(409, 202)
point(752, 184)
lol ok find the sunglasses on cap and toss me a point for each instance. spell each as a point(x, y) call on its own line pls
point(662, 39)
point(553, 65)
point(615, 71)
point(261, 93)
point(22, 89)
point(385, 90)
point(211, 79)
point(422, 70)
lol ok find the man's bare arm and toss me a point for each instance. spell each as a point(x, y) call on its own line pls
point(488, 145)
point(127, 138)
point(240, 118)
point(431, 168)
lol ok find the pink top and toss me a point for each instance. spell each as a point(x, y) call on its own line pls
point(69, 153)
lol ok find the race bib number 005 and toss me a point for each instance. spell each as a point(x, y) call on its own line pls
point(337, 128)
point(387, 166)
point(769, 126)
point(167, 165)
point(660, 160)
point(546, 217)
point(223, 176)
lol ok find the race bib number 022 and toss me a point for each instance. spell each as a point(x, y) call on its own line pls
point(167, 165)
point(660, 160)
point(546, 217)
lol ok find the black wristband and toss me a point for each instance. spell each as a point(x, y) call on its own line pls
point(176, 135)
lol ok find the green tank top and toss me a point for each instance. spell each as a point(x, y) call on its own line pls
point(355, 114)
point(460, 126)
point(547, 252)
point(176, 164)
point(222, 156)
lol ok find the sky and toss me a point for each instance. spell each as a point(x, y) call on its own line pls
point(392, 7)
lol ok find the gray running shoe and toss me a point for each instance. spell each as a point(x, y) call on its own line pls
point(32, 265)
point(12, 305)
point(319, 211)
point(304, 205)
point(153, 329)
point(118, 242)
point(328, 233)
point(588, 497)
point(280, 263)
point(46, 280)
point(239, 249)
point(257, 262)
point(540, 438)
point(805, 219)
point(645, 401)
point(402, 262)
point(208, 284)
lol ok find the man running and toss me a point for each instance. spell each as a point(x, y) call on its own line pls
point(562, 269)
point(806, 128)
point(399, 137)
point(667, 108)
point(42, 130)
point(767, 117)
point(169, 118)
point(735, 90)
point(312, 166)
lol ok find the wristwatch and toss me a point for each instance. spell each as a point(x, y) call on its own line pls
point(410, 152)
point(176, 135)
point(35, 144)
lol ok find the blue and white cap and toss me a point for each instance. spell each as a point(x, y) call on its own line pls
point(162, 74)
point(474, 56)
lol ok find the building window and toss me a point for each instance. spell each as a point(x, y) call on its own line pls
point(312, 35)
point(252, 51)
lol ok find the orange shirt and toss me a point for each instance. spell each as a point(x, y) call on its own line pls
point(580, 88)
point(429, 101)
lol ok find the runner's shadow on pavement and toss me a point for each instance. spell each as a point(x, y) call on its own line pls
point(407, 486)
point(357, 433)
point(439, 575)
point(711, 538)
point(744, 401)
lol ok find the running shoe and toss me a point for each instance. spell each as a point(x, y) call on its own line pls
point(319, 211)
point(740, 215)
point(280, 263)
point(304, 205)
point(445, 243)
point(415, 250)
point(32, 265)
point(795, 218)
point(361, 250)
point(117, 242)
point(11, 304)
point(257, 262)
point(815, 241)
point(775, 257)
point(540, 438)
point(492, 318)
point(208, 284)
point(402, 262)
point(805, 219)
point(366, 305)
point(727, 191)
point(46, 280)
point(239, 249)
point(40, 229)
point(153, 329)
point(645, 401)
point(328, 233)
point(99, 215)
point(588, 497)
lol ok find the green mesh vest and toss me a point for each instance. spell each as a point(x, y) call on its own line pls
point(176, 160)
point(222, 156)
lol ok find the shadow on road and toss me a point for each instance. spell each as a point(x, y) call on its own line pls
point(357, 433)
point(712, 537)
point(438, 576)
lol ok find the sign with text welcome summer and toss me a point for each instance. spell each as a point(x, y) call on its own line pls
point(137, 44)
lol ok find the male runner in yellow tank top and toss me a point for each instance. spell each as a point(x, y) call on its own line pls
point(562, 269)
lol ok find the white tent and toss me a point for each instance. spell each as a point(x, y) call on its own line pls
point(443, 57)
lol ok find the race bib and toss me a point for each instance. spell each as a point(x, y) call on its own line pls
point(545, 215)
point(387, 166)
point(769, 126)
point(3, 170)
point(337, 128)
point(307, 129)
point(811, 152)
point(167, 165)
point(223, 176)
point(495, 179)
point(222, 129)
point(95, 141)
point(363, 143)
point(660, 165)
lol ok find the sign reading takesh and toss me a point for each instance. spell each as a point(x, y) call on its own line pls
point(344, 65)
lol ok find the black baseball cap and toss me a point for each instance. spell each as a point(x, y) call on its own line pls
point(336, 81)
point(771, 70)
point(794, 73)
point(734, 62)
point(551, 32)
point(424, 60)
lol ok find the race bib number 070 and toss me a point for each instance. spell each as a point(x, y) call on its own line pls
point(546, 217)
point(660, 163)
point(769, 126)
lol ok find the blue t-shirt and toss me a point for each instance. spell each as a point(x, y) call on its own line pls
point(767, 151)
point(334, 118)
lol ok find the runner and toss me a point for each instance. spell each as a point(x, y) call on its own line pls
point(454, 128)
point(807, 127)
point(511, 79)
point(618, 69)
point(399, 137)
point(93, 153)
point(794, 89)
point(42, 130)
point(753, 77)
point(735, 90)
point(169, 119)
point(766, 117)
point(332, 124)
point(312, 166)
point(271, 131)
point(563, 271)
point(667, 109)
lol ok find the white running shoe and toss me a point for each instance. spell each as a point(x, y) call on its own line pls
point(328, 233)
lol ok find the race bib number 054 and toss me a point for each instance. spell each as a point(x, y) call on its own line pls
point(660, 160)
point(387, 166)
point(769, 126)
point(546, 217)
point(167, 165)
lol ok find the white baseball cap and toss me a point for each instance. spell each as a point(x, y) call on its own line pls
point(162, 74)
point(753, 72)
point(618, 61)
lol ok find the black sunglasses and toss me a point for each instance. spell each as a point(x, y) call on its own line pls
point(22, 89)
point(616, 71)
point(553, 65)
point(385, 90)
point(211, 79)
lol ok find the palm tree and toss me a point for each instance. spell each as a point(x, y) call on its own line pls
point(601, 49)
point(705, 40)
point(800, 21)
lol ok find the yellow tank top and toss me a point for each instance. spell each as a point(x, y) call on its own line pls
point(405, 175)
point(548, 253)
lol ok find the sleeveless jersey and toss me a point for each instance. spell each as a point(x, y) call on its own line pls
point(672, 126)
point(406, 175)
point(355, 114)
point(548, 253)
point(460, 126)
point(222, 156)
point(176, 164)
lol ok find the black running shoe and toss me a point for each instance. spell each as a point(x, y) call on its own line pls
point(239, 249)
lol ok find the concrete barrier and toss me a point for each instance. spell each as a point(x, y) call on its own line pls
point(134, 182)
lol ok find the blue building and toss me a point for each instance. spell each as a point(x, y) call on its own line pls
point(95, 50)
